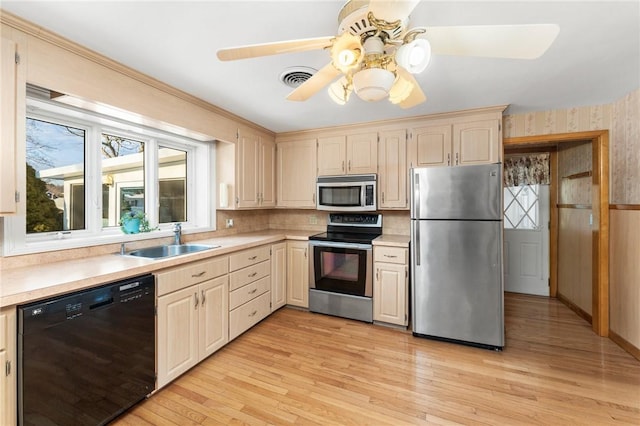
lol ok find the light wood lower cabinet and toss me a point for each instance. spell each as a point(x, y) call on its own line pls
point(298, 273)
point(278, 276)
point(249, 289)
point(9, 367)
point(391, 285)
point(192, 321)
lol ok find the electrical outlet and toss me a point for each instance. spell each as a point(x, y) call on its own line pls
point(229, 223)
point(313, 219)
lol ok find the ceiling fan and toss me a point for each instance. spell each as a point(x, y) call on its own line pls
point(375, 54)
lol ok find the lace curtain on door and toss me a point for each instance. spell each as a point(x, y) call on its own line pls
point(526, 169)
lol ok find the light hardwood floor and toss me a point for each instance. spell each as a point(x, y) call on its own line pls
point(302, 368)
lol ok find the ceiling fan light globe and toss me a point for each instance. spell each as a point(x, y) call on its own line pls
point(373, 84)
point(339, 91)
point(414, 56)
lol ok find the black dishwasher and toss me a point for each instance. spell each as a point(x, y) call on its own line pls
point(86, 357)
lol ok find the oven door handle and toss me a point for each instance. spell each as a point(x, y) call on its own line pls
point(333, 244)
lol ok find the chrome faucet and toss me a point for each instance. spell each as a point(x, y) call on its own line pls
point(177, 230)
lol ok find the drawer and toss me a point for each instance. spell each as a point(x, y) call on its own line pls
point(390, 254)
point(246, 316)
point(192, 273)
point(247, 275)
point(249, 257)
point(248, 292)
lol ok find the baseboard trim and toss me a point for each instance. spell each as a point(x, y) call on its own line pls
point(624, 344)
point(575, 308)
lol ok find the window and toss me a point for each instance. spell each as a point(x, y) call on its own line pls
point(85, 170)
point(521, 207)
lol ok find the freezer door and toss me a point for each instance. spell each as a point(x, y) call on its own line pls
point(465, 192)
point(457, 282)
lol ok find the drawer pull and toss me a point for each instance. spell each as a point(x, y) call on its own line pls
point(253, 257)
point(198, 274)
point(253, 314)
point(253, 291)
point(390, 256)
point(253, 275)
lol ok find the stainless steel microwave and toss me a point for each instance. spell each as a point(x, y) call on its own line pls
point(352, 193)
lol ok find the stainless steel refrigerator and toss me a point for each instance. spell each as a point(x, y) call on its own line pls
point(456, 254)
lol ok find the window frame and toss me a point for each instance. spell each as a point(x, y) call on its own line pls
point(201, 212)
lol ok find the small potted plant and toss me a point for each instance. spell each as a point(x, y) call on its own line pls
point(133, 222)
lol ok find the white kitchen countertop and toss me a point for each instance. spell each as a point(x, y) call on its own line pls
point(392, 240)
point(31, 283)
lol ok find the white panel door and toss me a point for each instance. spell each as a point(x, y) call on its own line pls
point(526, 240)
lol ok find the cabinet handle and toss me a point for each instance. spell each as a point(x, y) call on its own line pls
point(198, 274)
point(390, 256)
point(195, 297)
point(253, 258)
point(252, 275)
point(305, 253)
point(253, 291)
point(342, 168)
point(457, 158)
point(383, 197)
point(202, 296)
point(349, 166)
point(448, 159)
point(252, 314)
point(377, 274)
point(314, 198)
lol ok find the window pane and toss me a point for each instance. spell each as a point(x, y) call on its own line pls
point(172, 185)
point(55, 177)
point(521, 207)
point(122, 177)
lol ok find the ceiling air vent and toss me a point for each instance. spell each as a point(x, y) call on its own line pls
point(295, 76)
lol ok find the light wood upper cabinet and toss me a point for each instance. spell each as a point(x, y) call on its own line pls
point(459, 143)
point(248, 169)
point(352, 154)
point(431, 146)
point(476, 142)
point(9, 99)
point(296, 173)
point(392, 171)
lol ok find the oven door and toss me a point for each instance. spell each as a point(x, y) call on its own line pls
point(344, 268)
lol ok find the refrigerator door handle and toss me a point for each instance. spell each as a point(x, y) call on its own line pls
point(416, 195)
point(416, 244)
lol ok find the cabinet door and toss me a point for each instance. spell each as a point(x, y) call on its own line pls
point(362, 153)
point(390, 293)
point(298, 273)
point(8, 106)
point(278, 276)
point(431, 146)
point(297, 173)
point(213, 324)
point(476, 142)
point(177, 341)
point(248, 150)
point(332, 156)
point(392, 176)
point(8, 383)
point(267, 173)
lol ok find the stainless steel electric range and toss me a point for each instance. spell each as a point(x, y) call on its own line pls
point(341, 269)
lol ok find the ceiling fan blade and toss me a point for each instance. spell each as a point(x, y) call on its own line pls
point(275, 48)
point(392, 10)
point(317, 81)
point(416, 96)
point(493, 41)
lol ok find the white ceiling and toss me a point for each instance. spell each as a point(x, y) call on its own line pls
point(594, 60)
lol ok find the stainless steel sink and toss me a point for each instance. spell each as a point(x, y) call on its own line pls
point(159, 252)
